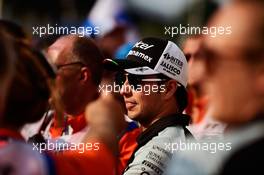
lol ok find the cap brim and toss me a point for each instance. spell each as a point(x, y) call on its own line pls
point(121, 64)
point(145, 70)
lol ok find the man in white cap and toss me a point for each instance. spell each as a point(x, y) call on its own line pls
point(153, 78)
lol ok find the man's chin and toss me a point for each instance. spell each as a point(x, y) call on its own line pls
point(132, 115)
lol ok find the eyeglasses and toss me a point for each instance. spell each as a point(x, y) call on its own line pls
point(134, 80)
point(69, 64)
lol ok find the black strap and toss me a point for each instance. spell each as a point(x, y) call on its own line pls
point(171, 120)
point(188, 134)
point(38, 137)
point(46, 121)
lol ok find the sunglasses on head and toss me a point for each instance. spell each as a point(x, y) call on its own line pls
point(135, 80)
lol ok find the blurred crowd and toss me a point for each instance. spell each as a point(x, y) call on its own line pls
point(203, 113)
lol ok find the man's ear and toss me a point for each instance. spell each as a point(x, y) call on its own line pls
point(85, 74)
point(171, 87)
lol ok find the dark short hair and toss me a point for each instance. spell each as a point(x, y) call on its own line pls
point(28, 93)
point(10, 33)
point(181, 94)
point(5, 54)
point(27, 99)
point(15, 31)
point(86, 51)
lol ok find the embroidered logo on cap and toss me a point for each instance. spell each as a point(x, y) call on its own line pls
point(143, 45)
point(140, 55)
point(173, 60)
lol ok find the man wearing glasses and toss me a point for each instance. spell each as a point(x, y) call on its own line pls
point(79, 70)
point(160, 65)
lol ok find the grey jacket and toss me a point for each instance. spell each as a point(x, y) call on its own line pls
point(154, 150)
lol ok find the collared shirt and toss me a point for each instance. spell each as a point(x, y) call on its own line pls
point(72, 125)
point(127, 144)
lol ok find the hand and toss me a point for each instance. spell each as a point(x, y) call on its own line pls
point(106, 119)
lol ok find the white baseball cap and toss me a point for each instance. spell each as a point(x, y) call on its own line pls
point(152, 56)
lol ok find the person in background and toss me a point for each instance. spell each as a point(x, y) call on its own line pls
point(26, 101)
point(202, 125)
point(234, 67)
point(10, 32)
point(6, 68)
point(20, 104)
point(79, 65)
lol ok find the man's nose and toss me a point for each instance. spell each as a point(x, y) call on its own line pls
point(125, 89)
